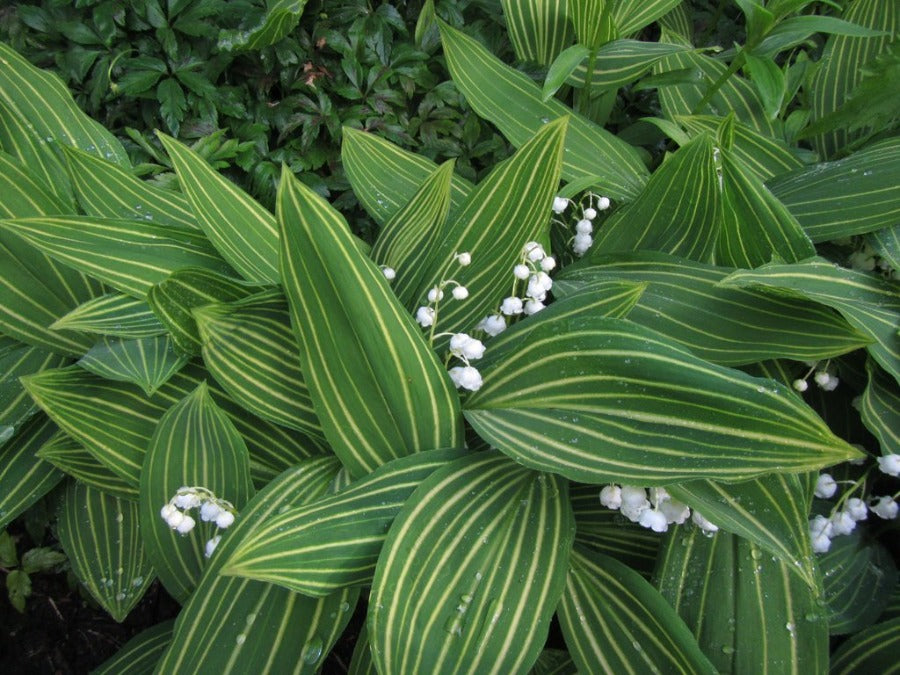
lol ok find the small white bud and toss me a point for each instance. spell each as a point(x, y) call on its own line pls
point(464, 258)
point(611, 496)
point(603, 203)
point(890, 464)
point(654, 520)
point(582, 243)
point(224, 519)
point(832, 384)
point(885, 508)
point(425, 316)
point(466, 377)
point(857, 509)
point(800, 385)
point(822, 378)
point(533, 306)
point(584, 227)
point(521, 272)
point(511, 306)
point(548, 263)
point(185, 525)
point(209, 511)
point(590, 213)
point(825, 486)
point(460, 293)
point(493, 324)
point(435, 294)
point(560, 204)
point(211, 546)
point(533, 251)
point(389, 273)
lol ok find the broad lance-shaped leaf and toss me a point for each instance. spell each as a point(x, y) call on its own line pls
point(879, 408)
point(605, 400)
point(621, 62)
point(472, 569)
point(385, 177)
point(357, 343)
point(679, 210)
point(129, 255)
point(139, 655)
point(25, 478)
point(334, 542)
point(173, 299)
point(873, 650)
point(239, 227)
point(886, 243)
point(114, 314)
point(771, 511)
point(854, 195)
point(508, 209)
point(870, 305)
point(538, 29)
point(858, 574)
point(614, 621)
point(42, 100)
point(513, 102)
point(194, 444)
point(108, 190)
point(407, 240)
point(147, 362)
point(114, 421)
point(69, 456)
point(280, 18)
point(18, 360)
point(745, 608)
point(250, 349)
point(632, 15)
point(232, 625)
point(731, 326)
point(101, 536)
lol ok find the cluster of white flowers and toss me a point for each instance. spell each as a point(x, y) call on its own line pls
point(655, 511)
point(822, 376)
point(466, 348)
point(584, 226)
point(850, 510)
point(426, 315)
point(211, 509)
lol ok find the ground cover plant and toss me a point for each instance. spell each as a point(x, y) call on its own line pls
point(625, 400)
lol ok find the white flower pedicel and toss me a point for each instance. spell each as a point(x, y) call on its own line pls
point(210, 508)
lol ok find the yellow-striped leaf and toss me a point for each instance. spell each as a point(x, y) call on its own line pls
point(114, 314)
point(235, 626)
point(357, 343)
point(194, 444)
point(101, 536)
point(732, 326)
point(129, 255)
point(886, 243)
point(280, 18)
point(601, 399)
point(139, 655)
point(854, 195)
point(554, 662)
point(108, 190)
point(632, 15)
point(334, 542)
point(173, 299)
point(613, 620)
point(18, 360)
point(385, 177)
point(873, 650)
point(592, 23)
point(69, 456)
point(24, 477)
point(771, 511)
point(538, 29)
point(240, 228)
point(146, 362)
point(40, 98)
point(472, 569)
point(879, 408)
point(678, 212)
point(249, 347)
point(748, 612)
point(868, 304)
point(514, 103)
point(621, 62)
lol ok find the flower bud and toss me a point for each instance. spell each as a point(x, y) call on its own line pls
point(560, 204)
point(224, 519)
point(389, 273)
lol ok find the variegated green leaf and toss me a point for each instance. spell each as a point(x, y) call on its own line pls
point(194, 444)
point(592, 23)
point(602, 530)
point(407, 240)
point(514, 103)
point(249, 347)
point(24, 193)
point(613, 620)
point(140, 654)
point(632, 15)
point(240, 228)
point(879, 408)
point(173, 299)
point(886, 243)
point(361, 662)
point(24, 477)
point(280, 18)
point(538, 29)
point(234, 626)
point(114, 421)
point(69, 456)
point(858, 575)
point(554, 662)
point(334, 542)
point(749, 613)
point(605, 400)
point(108, 190)
point(621, 62)
point(101, 536)
point(679, 22)
point(146, 362)
point(18, 360)
point(42, 100)
point(873, 650)
point(471, 571)
point(113, 314)
point(732, 326)
point(667, 217)
point(854, 195)
point(508, 209)
point(385, 177)
point(357, 343)
point(770, 511)
point(868, 304)
point(129, 255)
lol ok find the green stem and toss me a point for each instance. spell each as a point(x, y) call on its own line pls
point(584, 94)
point(735, 66)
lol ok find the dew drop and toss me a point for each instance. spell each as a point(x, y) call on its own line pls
point(312, 650)
point(240, 639)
